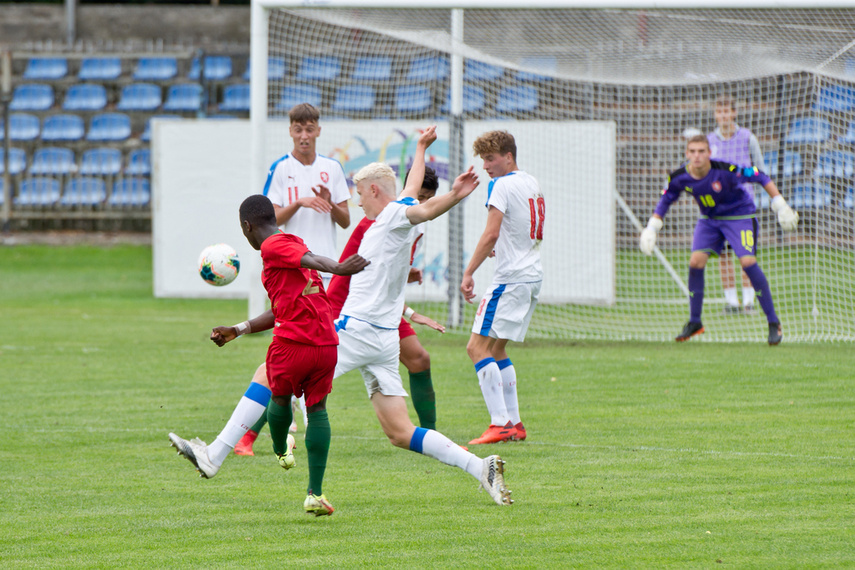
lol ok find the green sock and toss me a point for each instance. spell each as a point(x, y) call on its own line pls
point(318, 435)
point(424, 398)
point(279, 418)
point(257, 426)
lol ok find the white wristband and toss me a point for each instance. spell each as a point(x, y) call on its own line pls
point(409, 313)
point(242, 328)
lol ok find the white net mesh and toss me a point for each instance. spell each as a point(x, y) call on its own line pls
point(655, 74)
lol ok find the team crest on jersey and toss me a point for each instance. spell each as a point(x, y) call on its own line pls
point(325, 177)
point(716, 186)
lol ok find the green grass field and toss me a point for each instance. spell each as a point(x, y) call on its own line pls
point(639, 454)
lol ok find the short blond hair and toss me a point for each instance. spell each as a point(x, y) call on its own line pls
point(495, 142)
point(698, 139)
point(379, 173)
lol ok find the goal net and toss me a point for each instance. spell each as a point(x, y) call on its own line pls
point(652, 76)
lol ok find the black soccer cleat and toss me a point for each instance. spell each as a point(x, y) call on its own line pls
point(691, 329)
point(775, 334)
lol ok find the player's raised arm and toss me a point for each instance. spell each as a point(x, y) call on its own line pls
point(417, 170)
point(351, 265)
point(462, 186)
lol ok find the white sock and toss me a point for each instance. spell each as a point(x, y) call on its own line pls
point(509, 388)
point(436, 445)
point(747, 296)
point(249, 409)
point(730, 297)
point(490, 381)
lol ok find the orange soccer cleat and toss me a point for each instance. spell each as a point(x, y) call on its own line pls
point(244, 446)
point(495, 434)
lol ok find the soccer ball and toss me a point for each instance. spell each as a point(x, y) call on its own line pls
point(219, 264)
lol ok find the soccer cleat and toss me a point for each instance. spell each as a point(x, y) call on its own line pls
point(244, 446)
point(775, 334)
point(196, 452)
point(495, 434)
point(691, 329)
point(317, 506)
point(493, 480)
point(520, 432)
point(286, 460)
point(732, 309)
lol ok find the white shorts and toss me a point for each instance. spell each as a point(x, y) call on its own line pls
point(505, 310)
point(374, 351)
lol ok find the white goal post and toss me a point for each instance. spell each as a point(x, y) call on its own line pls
point(653, 71)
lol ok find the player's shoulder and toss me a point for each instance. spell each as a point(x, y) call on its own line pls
point(329, 160)
point(674, 174)
point(721, 165)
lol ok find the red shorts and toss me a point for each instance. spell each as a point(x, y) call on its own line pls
point(300, 369)
point(405, 329)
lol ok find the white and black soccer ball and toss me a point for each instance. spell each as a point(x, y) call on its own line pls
point(219, 264)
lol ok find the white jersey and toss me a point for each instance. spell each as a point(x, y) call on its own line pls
point(517, 195)
point(377, 292)
point(289, 180)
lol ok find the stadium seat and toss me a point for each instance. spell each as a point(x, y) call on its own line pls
point(848, 201)
point(37, 192)
point(139, 162)
point(792, 163)
point(354, 99)
point(299, 93)
point(183, 97)
point(130, 193)
point(533, 69)
point(517, 99)
point(109, 127)
point(217, 68)
point(53, 161)
point(324, 68)
point(849, 137)
point(809, 130)
point(85, 97)
point(235, 98)
point(100, 69)
point(277, 69)
point(101, 161)
point(63, 128)
point(430, 68)
point(32, 97)
point(413, 99)
point(807, 197)
point(156, 69)
point(84, 191)
point(46, 68)
point(474, 70)
point(372, 68)
point(835, 164)
point(474, 100)
point(140, 97)
point(835, 99)
point(146, 135)
point(17, 161)
point(22, 127)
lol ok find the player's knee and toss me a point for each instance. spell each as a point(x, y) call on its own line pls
point(747, 261)
point(417, 361)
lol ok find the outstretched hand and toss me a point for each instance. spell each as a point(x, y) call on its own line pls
point(465, 184)
point(222, 335)
point(420, 319)
point(427, 136)
point(353, 264)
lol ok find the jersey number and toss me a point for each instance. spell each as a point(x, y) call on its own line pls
point(747, 237)
point(293, 194)
point(538, 215)
point(707, 200)
point(311, 288)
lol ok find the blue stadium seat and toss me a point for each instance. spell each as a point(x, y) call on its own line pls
point(807, 197)
point(217, 68)
point(413, 99)
point(848, 200)
point(809, 130)
point(474, 70)
point(85, 97)
point(517, 99)
point(84, 191)
point(354, 99)
point(429, 68)
point(183, 97)
point(792, 163)
point(156, 69)
point(146, 135)
point(37, 192)
point(372, 68)
point(32, 97)
point(534, 68)
point(22, 127)
point(53, 161)
point(835, 99)
point(140, 97)
point(474, 100)
point(109, 127)
point(100, 69)
point(299, 93)
point(235, 98)
point(63, 128)
point(101, 161)
point(17, 161)
point(46, 68)
point(324, 68)
point(277, 69)
point(835, 164)
point(130, 193)
point(139, 162)
point(849, 137)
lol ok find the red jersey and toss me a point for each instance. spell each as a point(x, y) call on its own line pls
point(300, 305)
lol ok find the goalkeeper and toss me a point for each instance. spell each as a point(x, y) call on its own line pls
point(727, 214)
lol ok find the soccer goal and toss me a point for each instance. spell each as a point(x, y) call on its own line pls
point(601, 100)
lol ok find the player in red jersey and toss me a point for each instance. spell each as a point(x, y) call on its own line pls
point(302, 356)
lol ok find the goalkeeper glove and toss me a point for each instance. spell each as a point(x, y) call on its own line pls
point(648, 235)
point(788, 219)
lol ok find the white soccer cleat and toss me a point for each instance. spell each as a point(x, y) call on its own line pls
point(196, 452)
point(318, 506)
point(493, 480)
point(286, 460)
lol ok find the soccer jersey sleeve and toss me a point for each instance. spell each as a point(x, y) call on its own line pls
point(499, 195)
point(274, 187)
point(283, 251)
point(339, 192)
point(670, 194)
point(751, 174)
